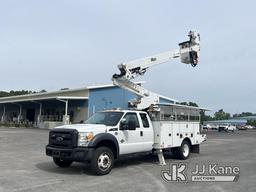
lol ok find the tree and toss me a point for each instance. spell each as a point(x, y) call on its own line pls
point(243, 114)
point(205, 117)
point(15, 93)
point(189, 104)
point(192, 104)
point(221, 115)
point(3, 94)
point(251, 122)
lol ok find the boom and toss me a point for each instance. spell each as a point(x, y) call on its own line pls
point(188, 53)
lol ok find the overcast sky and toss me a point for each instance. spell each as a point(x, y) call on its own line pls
point(52, 44)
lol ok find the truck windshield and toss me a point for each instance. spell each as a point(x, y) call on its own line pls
point(105, 118)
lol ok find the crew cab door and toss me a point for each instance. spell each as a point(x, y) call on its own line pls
point(132, 141)
point(147, 133)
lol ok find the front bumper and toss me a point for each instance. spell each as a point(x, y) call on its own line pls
point(76, 154)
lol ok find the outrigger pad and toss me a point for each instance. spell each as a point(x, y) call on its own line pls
point(160, 157)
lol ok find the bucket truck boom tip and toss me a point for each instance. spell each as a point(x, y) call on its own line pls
point(188, 52)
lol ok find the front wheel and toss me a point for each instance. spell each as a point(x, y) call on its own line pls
point(183, 151)
point(102, 161)
point(62, 162)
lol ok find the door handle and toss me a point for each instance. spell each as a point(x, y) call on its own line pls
point(141, 133)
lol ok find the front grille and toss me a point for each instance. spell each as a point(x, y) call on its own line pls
point(63, 138)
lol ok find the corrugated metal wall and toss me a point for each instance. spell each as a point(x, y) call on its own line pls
point(108, 98)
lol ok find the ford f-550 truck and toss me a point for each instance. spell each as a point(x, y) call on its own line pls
point(150, 126)
point(107, 135)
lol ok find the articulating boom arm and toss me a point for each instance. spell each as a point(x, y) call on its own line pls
point(188, 53)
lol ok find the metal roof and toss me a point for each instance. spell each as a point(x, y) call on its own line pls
point(71, 94)
point(252, 117)
point(167, 98)
point(228, 121)
point(109, 85)
point(185, 106)
point(79, 93)
point(44, 98)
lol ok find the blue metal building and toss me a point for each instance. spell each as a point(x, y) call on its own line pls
point(109, 97)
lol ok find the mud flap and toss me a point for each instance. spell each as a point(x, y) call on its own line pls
point(195, 149)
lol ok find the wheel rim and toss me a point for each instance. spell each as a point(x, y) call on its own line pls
point(185, 150)
point(104, 162)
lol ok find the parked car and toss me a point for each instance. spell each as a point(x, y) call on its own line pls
point(249, 126)
point(207, 126)
point(226, 128)
point(210, 126)
point(242, 127)
point(215, 127)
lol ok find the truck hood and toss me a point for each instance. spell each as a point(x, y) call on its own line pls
point(96, 128)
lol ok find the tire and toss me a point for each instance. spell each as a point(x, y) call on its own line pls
point(63, 163)
point(102, 161)
point(175, 152)
point(183, 151)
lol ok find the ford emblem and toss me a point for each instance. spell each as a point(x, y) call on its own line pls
point(59, 139)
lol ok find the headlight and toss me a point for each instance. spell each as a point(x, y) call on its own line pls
point(84, 138)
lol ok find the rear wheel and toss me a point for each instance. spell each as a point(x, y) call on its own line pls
point(183, 151)
point(102, 161)
point(62, 162)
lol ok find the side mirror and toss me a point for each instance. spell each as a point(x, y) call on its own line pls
point(131, 125)
point(123, 125)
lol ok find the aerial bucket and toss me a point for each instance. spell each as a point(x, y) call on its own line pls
point(189, 50)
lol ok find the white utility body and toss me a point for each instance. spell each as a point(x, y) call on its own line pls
point(147, 127)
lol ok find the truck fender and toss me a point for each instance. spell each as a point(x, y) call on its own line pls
point(108, 139)
point(193, 148)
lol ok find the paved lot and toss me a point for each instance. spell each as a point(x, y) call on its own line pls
point(24, 166)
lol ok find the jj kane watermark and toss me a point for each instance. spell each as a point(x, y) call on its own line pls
point(201, 173)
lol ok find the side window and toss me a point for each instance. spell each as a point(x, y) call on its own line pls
point(182, 114)
point(194, 115)
point(144, 119)
point(132, 117)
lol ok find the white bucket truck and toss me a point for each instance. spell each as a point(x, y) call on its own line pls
point(148, 127)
